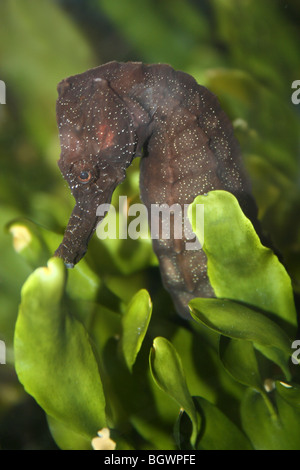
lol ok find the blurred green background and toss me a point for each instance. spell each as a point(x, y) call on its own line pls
point(247, 52)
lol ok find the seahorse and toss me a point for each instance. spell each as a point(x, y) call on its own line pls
point(113, 113)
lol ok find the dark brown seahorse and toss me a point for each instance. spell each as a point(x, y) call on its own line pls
point(118, 111)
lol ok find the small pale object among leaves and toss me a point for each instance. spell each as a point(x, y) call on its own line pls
point(21, 237)
point(103, 442)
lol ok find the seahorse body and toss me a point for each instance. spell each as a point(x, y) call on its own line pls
point(187, 145)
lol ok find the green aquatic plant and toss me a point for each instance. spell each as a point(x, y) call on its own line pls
point(88, 368)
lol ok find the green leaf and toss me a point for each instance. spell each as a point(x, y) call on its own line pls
point(218, 432)
point(66, 438)
point(135, 323)
point(239, 266)
point(238, 358)
point(266, 430)
point(54, 358)
point(168, 373)
point(240, 322)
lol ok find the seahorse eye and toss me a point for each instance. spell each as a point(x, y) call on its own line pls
point(85, 176)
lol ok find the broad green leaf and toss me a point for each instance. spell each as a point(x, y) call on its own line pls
point(54, 358)
point(66, 438)
point(135, 323)
point(266, 430)
point(237, 321)
point(218, 432)
point(238, 358)
point(239, 266)
point(240, 322)
point(168, 373)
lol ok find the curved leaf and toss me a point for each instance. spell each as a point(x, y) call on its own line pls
point(238, 321)
point(135, 323)
point(238, 358)
point(239, 266)
point(167, 372)
point(242, 323)
point(54, 358)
